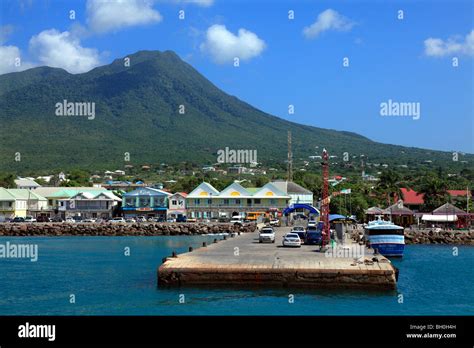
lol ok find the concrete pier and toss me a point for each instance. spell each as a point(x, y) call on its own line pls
point(242, 261)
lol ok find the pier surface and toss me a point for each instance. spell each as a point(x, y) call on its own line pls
point(242, 260)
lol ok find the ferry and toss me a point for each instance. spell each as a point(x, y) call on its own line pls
point(386, 237)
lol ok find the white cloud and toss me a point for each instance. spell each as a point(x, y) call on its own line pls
point(112, 15)
point(10, 60)
point(328, 20)
point(224, 46)
point(438, 48)
point(63, 50)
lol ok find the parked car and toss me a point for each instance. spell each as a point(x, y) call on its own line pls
point(267, 235)
point(170, 220)
point(237, 220)
point(70, 220)
point(18, 219)
point(117, 220)
point(43, 219)
point(57, 219)
point(312, 223)
point(313, 236)
point(291, 240)
point(299, 216)
point(275, 222)
point(141, 219)
point(191, 220)
point(300, 231)
point(130, 220)
point(88, 221)
point(181, 218)
point(77, 218)
point(30, 218)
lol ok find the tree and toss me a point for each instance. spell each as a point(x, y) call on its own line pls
point(434, 190)
point(7, 180)
point(389, 185)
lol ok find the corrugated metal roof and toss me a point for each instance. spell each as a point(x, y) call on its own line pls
point(5, 195)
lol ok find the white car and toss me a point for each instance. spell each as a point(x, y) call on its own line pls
point(275, 222)
point(117, 220)
point(312, 223)
point(30, 219)
point(88, 221)
point(170, 220)
point(70, 220)
point(141, 219)
point(237, 220)
point(267, 235)
point(130, 221)
point(292, 240)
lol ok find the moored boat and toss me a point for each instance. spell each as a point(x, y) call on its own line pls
point(386, 237)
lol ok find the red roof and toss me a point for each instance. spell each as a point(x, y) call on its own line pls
point(458, 192)
point(411, 197)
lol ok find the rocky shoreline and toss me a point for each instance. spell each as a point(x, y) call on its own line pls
point(135, 229)
point(442, 237)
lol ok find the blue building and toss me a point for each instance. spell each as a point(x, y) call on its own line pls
point(146, 201)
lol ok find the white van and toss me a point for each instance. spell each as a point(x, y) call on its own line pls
point(239, 220)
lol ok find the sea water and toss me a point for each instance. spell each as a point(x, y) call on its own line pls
point(118, 276)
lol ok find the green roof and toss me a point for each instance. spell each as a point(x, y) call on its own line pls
point(25, 194)
point(68, 193)
point(5, 195)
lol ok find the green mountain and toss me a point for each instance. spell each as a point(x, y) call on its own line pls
point(137, 111)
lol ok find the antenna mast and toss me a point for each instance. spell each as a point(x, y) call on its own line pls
point(290, 158)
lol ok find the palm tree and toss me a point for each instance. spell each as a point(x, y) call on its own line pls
point(389, 185)
point(434, 190)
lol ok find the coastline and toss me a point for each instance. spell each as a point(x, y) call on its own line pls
point(135, 229)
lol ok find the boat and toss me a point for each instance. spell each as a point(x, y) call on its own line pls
point(386, 237)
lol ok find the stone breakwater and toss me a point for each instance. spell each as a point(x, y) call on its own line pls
point(430, 237)
point(442, 237)
point(134, 229)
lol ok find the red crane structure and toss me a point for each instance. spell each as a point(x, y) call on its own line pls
point(326, 237)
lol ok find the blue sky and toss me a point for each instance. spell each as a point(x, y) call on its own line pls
point(403, 60)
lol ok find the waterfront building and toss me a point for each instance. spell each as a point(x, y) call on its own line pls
point(448, 215)
point(20, 203)
point(399, 214)
point(177, 205)
point(98, 204)
point(146, 201)
point(56, 195)
point(206, 202)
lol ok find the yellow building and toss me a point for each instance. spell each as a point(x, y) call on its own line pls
point(206, 202)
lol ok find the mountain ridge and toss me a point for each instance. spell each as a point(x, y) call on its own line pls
point(138, 113)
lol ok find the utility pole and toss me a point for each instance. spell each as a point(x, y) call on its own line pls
point(290, 158)
point(326, 238)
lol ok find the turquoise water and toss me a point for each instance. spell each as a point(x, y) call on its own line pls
point(106, 282)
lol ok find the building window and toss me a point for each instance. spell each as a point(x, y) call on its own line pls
point(174, 202)
point(129, 202)
point(237, 201)
point(197, 201)
point(273, 201)
point(209, 201)
point(226, 202)
point(144, 201)
point(257, 201)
